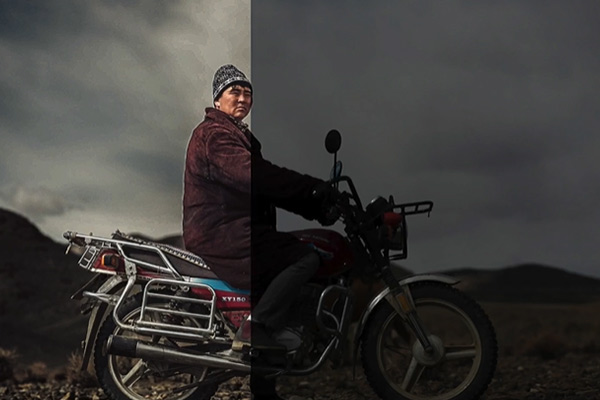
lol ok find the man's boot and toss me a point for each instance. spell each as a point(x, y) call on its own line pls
point(254, 335)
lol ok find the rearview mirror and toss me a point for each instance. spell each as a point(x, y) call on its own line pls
point(333, 141)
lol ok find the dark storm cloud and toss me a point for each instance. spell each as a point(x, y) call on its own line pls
point(12, 106)
point(163, 170)
point(490, 109)
point(69, 62)
point(87, 73)
point(37, 202)
point(39, 24)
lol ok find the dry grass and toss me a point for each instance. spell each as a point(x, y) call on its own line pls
point(547, 331)
point(37, 372)
point(546, 345)
point(7, 364)
point(74, 373)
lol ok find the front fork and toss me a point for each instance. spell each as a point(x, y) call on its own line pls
point(396, 301)
point(399, 295)
point(402, 302)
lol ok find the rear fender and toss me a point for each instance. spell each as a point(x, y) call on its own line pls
point(112, 285)
point(385, 292)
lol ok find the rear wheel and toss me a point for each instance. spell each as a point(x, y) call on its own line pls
point(125, 378)
point(463, 359)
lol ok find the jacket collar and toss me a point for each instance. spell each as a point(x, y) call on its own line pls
point(220, 116)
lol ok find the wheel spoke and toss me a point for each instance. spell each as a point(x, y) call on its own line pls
point(397, 350)
point(134, 374)
point(135, 378)
point(186, 387)
point(458, 352)
point(463, 354)
point(413, 374)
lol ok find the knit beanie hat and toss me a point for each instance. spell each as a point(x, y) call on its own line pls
point(225, 76)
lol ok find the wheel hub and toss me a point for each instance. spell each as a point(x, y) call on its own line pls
point(432, 358)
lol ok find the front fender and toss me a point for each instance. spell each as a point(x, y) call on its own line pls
point(111, 286)
point(381, 295)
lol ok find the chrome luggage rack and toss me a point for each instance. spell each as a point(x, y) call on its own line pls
point(168, 316)
point(163, 318)
point(94, 245)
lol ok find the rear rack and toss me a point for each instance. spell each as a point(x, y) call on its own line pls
point(121, 243)
point(418, 207)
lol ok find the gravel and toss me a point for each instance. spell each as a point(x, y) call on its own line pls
point(574, 376)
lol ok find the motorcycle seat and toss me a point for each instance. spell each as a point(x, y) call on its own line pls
point(185, 262)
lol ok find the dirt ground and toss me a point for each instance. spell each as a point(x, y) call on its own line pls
point(546, 352)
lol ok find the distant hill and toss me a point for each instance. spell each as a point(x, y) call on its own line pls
point(37, 279)
point(528, 283)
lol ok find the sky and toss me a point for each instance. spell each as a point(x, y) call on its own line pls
point(97, 104)
point(489, 109)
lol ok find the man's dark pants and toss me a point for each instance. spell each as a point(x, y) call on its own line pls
point(274, 305)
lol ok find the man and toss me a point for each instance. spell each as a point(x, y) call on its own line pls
point(229, 202)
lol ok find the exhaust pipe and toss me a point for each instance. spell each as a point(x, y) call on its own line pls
point(121, 346)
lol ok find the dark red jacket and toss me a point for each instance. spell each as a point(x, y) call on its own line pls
point(230, 195)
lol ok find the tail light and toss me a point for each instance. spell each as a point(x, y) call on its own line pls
point(109, 261)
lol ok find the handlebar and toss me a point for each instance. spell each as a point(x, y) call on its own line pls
point(358, 219)
point(353, 191)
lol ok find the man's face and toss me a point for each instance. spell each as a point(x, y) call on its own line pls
point(236, 101)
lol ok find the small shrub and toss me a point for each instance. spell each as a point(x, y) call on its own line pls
point(7, 364)
point(547, 346)
point(591, 346)
point(37, 372)
point(75, 375)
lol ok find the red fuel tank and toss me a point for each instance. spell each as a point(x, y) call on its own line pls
point(336, 253)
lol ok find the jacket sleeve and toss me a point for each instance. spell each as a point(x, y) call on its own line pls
point(234, 165)
point(285, 188)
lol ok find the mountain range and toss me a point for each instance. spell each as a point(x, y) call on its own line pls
point(38, 319)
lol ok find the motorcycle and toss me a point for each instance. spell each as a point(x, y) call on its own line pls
point(162, 324)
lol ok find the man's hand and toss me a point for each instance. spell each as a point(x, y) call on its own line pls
point(329, 217)
point(327, 195)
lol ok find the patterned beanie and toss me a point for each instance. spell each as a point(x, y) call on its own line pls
point(225, 76)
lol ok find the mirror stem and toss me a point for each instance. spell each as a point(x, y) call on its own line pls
point(334, 168)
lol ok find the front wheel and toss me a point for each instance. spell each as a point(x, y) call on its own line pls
point(461, 363)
